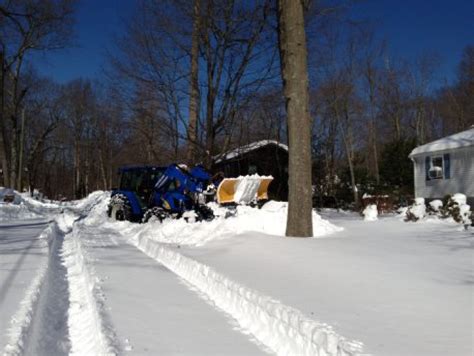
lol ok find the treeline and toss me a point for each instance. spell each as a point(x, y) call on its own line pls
point(189, 80)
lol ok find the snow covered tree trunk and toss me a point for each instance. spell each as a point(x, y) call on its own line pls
point(194, 92)
point(292, 43)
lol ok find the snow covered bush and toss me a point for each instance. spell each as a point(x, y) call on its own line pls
point(456, 207)
point(435, 206)
point(370, 213)
point(416, 211)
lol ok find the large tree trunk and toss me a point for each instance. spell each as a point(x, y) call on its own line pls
point(3, 142)
point(194, 90)
point(292, 43)
point(21, 152)
point(13, 151)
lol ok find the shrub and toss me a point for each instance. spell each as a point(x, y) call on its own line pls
point(416, 211)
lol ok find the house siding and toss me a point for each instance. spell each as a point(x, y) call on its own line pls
point(461, 175)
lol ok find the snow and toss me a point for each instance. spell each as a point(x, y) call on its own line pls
point(459, 198)
point(370, 213)
point(402, 289)
point(22, 270)
point(270, 219)
point(248, 148)
point(436, 205)
point(85, 284)
point(24, 207)
point(418, 209)
point(465, 212)
point(458, 140)
point(247, 187)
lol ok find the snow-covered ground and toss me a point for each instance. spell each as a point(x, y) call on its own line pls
point(83, 284)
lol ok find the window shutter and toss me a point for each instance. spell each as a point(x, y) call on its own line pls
point(427, 167)
point(447, 166)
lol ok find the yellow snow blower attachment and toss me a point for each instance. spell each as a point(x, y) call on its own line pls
point(243, 190)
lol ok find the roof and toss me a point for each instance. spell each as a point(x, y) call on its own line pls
point(461, 139)
point(248, 148)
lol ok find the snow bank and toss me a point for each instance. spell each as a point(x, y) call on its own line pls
point(370, 213)
point(24, 207)
point(89, 334)
point(270, 219)
point(283, 329)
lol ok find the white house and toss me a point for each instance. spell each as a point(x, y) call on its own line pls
point(445, 166)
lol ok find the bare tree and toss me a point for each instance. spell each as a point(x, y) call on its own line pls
point(292, 43)
point(25, 26)
point(194, 87)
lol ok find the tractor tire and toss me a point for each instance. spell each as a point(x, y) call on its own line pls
point(204, 213)
point(119, 208)
point(157, 212)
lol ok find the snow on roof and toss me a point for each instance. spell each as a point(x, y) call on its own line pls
point(247, 148)
point(461, 139)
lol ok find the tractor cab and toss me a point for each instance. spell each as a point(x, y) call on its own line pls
point(140, 180)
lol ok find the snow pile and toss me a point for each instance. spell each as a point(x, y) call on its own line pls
point(247, 187)
point(12, 211)
point(87, 332)
point(459, 199)
point(24, 207)
point(436, 205)
point(417, 211)
point(370, 213)
point(283, 329)
point(270, 219)
point(94, 201)
point(95, 206)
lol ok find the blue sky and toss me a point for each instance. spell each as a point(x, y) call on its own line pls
point(410, 27)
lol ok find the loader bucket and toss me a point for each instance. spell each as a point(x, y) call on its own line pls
point(262, 193)
point(226, 190)
point(243, 190)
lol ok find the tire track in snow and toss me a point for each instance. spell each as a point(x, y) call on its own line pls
point(62, 312)
point(282, 329)
point(40, 325)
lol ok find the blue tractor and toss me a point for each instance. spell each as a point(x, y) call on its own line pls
point(161, 192)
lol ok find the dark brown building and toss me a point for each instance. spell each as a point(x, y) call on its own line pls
point(265, 158)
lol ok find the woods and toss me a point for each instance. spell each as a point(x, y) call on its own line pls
point(187, 81)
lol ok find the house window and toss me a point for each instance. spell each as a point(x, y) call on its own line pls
point(438, 167)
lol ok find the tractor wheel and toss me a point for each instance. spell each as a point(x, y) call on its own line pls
point(157, 212)
point(204, 213)
point(120, 208)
